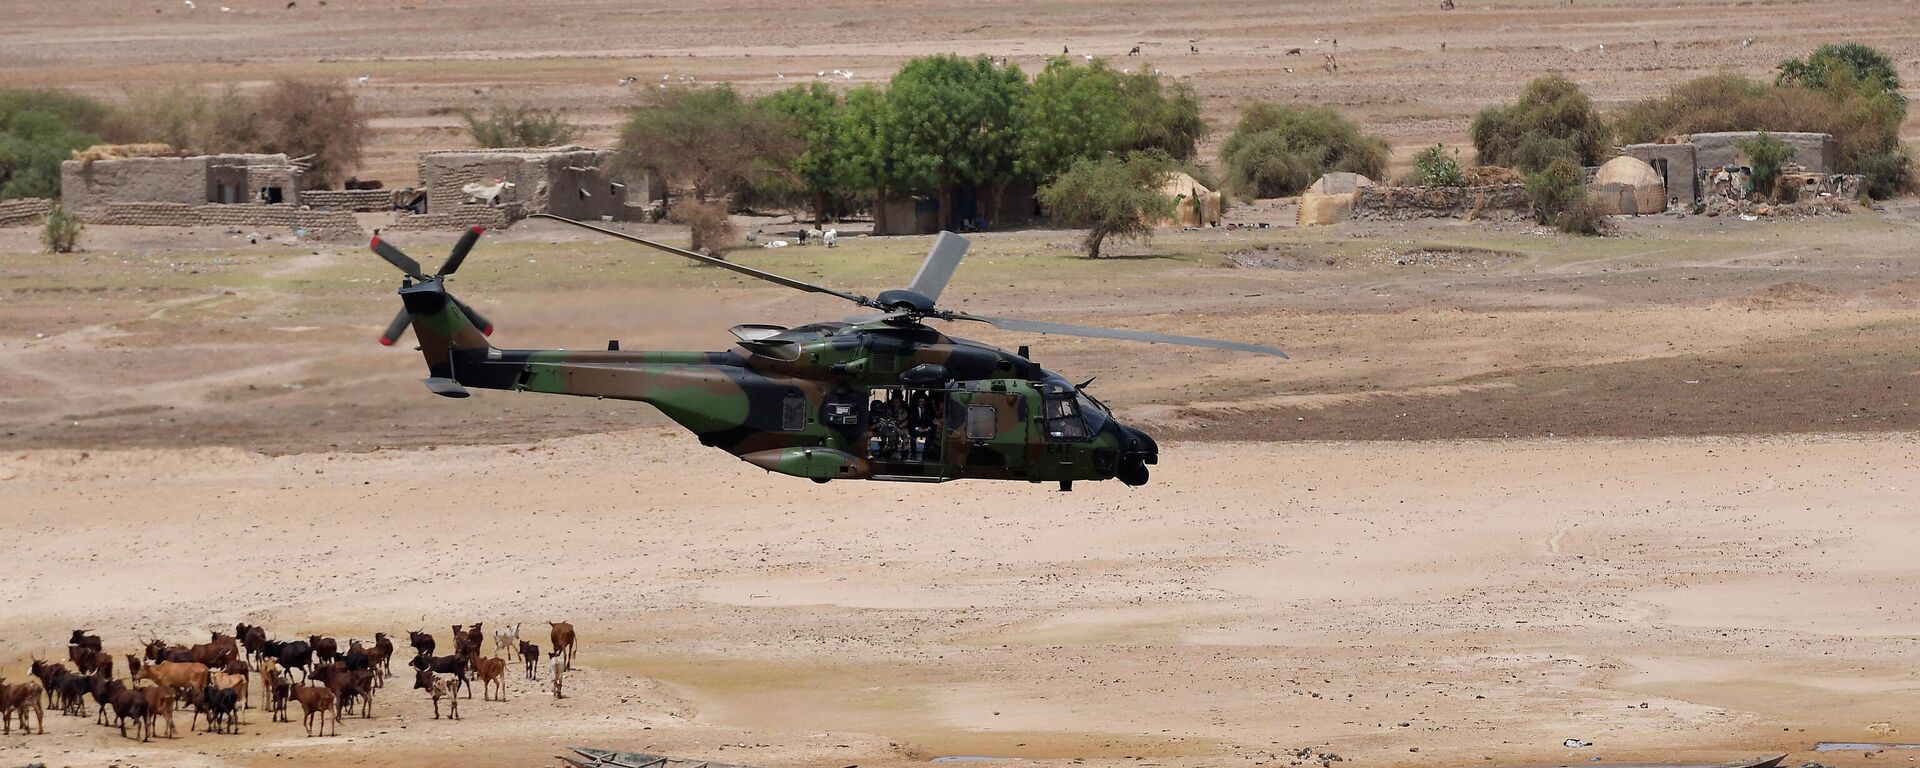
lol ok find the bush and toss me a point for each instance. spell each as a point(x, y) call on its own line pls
point(707, 223)
point(1555, 189)
point(62, 231)
point(1277, 150)
point(1552, 120)
point(40, 129)
point(1433, 167)
point(1766, 155)
point(1864, 121)
point(194, 118)
point(1842, 68)
point(519, 125)
point(1583, 217)
point(1111, 196)
point(318, 119)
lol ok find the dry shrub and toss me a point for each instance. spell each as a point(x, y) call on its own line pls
point(317, 118)
point(62, 231)
point(707, 221)
point(195, 118)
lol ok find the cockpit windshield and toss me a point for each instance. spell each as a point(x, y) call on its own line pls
point(1070, 414)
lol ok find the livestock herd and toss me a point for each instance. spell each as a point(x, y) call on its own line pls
point(214, 679)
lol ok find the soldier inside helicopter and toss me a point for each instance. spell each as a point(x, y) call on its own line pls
point(905, 425)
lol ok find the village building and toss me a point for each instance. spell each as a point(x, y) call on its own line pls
point(1685, 165)
point(574, 182)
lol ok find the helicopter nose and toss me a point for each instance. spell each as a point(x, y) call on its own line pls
point(1138, 450)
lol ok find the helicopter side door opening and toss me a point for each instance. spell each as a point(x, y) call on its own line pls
point(904, 432)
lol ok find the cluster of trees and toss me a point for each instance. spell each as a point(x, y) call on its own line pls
point(319, 120)
point(942, 125)
point(1851, 91)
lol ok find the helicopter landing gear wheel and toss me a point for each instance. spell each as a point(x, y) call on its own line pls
point(1133, 473)
point(820, 480)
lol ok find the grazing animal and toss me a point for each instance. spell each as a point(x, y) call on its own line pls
point(159, 704)
point(558, 665)
point(44, 672)
point(20, 698)
point(295, 655)
point(506, 639)
point(182, 676)
point(562, 636)
point(1134, 52)
point(73, 693)
point(245, 673)
point(530, 656)
point(350, 687)
point(82, 639)
point(421, 641)
point(1293, 52)
point(315, 701)
point(445, 665)
point(220, 704)
point(102, 687)
point(382, 653)
point(133, 664)
point(438, 688)
point(492, 672)
point(325, 648)
point(279, 689)
point(468, 642)
point(252, 638)
point(130, 703)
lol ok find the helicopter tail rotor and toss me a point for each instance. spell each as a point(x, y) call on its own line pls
point(411, 268)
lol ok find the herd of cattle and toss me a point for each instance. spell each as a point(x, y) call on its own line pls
point(214, 678)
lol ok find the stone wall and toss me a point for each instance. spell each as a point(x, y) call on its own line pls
point(459, 217)
point(85, 186)
point(363, 200)
point(1675, 163)
point(1816, 152)
point(320, 225)
point(574, 182)
point(25, 211)
point(1500, 201)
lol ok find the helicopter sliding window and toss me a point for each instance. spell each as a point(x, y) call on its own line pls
point(1063, 417)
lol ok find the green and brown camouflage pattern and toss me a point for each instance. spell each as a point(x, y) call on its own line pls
point(775, 400)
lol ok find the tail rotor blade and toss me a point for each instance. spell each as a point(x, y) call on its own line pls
point(460, 250)
point(479, 321)
point(395, 257)
point(395, 329)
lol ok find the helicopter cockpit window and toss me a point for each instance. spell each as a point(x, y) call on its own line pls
point(793, 412)
point(1063, 417)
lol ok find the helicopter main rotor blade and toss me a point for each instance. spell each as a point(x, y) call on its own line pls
point(942, 259)
point(1062, 329)
point(395, 329)
point(460, 250)
point(395, 257)
point(721, 263)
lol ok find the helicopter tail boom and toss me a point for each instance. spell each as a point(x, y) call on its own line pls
point(443, 326)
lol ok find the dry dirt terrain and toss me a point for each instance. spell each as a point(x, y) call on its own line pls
point(1655, 491)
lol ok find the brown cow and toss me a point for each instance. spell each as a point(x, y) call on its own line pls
point(349, 686)
point(563, 639)
point(159, 704)
point(239, 667)
point(130, 703)
point(21, 698)
point(45, 672)
point(382, 653)
point(493, 674)
point(181, 676)
point(315, 702)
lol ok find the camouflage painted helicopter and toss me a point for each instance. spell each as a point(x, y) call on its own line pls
point(876, 397)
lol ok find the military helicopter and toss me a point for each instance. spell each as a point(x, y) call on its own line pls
point(881, 396)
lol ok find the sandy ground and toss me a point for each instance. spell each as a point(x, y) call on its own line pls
point(1654, 491)
point(1683, 532)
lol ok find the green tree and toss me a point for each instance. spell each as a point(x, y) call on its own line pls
point(1842, 68)
point(1552, 118)
point(949, 123)
point(1278, 150)
point(1435, 167)
point(707, 141)
point(39, 129)
point(1767, 154)
point(834, 166)
point(1113, 197)
point(519, 125)
point(1555, 189)
point(1161, 115)
point(1071, 112)
point(317, 119)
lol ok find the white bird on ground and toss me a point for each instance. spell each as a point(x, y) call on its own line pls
point(628, 80)
point(821, 73)
point(190, 5)
point(847, 75)
point(224, 9)
point(1746, 42)
point(779, 76)
point(364, 79)
point(1603, 47)
point(1087, 56)
point(663, 78)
